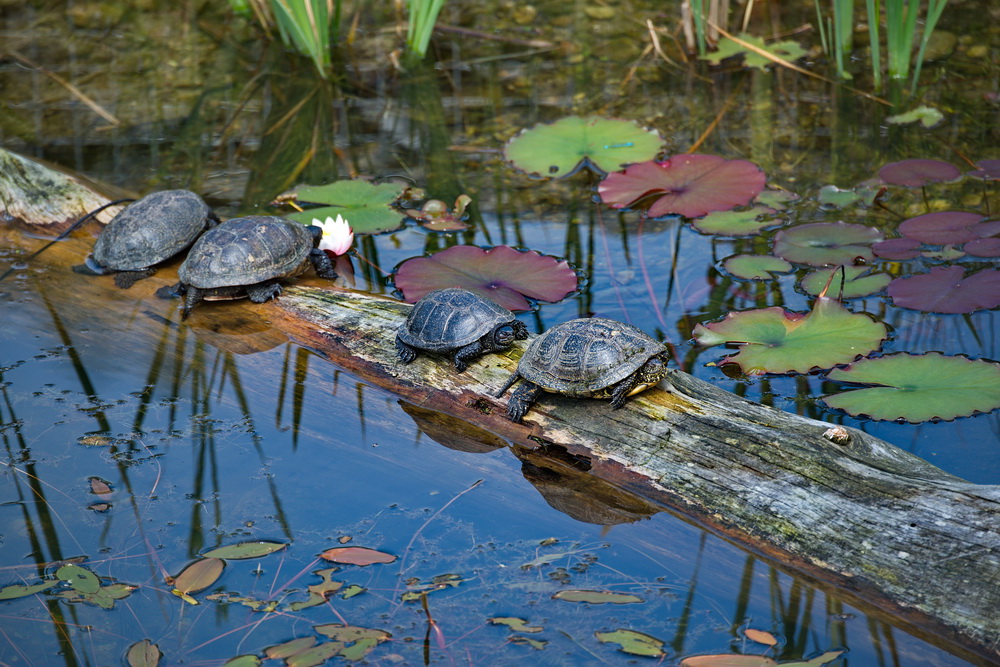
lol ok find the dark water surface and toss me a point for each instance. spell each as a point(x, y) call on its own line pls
point(204, 445)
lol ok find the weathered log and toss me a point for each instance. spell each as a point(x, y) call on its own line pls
point(878, 522)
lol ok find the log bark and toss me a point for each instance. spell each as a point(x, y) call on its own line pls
point(881, 524)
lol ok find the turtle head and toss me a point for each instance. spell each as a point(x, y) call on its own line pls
point(317, 233)
point(503, 336)
point(90, 267)
point(654, 370)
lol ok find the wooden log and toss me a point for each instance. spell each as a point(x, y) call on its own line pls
point(879, 523)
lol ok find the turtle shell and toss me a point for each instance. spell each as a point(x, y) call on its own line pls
point(244, 251)
point(583, 357)
point(151, 230)
point(447, 319)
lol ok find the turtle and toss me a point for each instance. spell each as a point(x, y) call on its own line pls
point(587, 358)
point(458, 322)
point(248, 257)
point(147, 232)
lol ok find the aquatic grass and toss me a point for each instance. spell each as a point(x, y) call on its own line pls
point(305, 25)
point(423, 14)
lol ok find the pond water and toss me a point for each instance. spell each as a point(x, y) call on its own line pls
point(202, 444)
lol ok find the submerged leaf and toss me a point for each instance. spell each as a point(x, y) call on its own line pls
point(918, 173)
point(727, 48)
point(245, 550)
point(635, 643)
point(772, 340)
point(596, 597)
point(356, 556)
point(501, 274)
point(561, 148)
point(690, 185)
point(826, 243)
point(367, 206)
point(927, 116)
point(918, 387)
point(946, 289)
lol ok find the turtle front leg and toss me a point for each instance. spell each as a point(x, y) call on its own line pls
point(322, 264)
point(265, 291)
point(622, 391)
point(406, 353)
point(521, 400)
point(464, 355)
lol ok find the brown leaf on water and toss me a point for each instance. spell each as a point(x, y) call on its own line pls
point(199, 575)
point(727, 660)
point(143, 654)
point(99, 487)
point(760, 636)
point(356, 556)
point(596, 597)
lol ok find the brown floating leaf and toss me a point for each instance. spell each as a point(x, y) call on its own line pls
point(143, 654)
point(596, 597)
point(724, 660)
point(199, 575)
point(99, 487)
point(760, 636)
point(356, 556)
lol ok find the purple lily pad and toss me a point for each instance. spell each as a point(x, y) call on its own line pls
point(942, 227)
point(688, 185)
point(946, 289)
point(918, 173)
point(502, 274)
point(983, 247)
point(989, 170)
point(826, 243)
point(897, 249)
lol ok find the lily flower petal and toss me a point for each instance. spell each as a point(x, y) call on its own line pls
point(337, 235)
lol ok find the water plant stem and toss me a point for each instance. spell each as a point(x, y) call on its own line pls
point(423, 15)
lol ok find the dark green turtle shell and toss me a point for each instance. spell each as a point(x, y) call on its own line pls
point(447, 319)
point(245, 251)
point(584, 357)
point(151, 230)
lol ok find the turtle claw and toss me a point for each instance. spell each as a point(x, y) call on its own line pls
point(405, 352)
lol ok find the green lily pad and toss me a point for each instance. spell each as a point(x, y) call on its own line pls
point(80, 579)
point(773, 340)
point(21, 590)
point(596, 597)
point(143, 654)
point(776, 199)
point(832, 196)
point(748, 222)
point(826, 243)
point(857, 281)
point(248, 660)
point(756, 267)
point(515, 624)
point(365, 206)
point(561, 148)
point(918, 388)
point(635, 643)
point(727, 48)
point(245, 550)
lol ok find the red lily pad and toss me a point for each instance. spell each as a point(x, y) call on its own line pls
point(897, 249)
point(989, 170)
point(983, 247)
point(688, 185)
point(946, 289)
point(918, 173)
point(942, 227)
point(826, 243)
point(502, 274)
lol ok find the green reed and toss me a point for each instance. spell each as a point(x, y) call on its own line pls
point(306, 25)
point(423, 14)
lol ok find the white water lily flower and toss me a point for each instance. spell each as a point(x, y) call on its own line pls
point(337, 235)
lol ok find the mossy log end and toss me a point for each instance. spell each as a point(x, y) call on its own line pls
point(886, 526)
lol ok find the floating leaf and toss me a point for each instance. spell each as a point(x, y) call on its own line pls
point(857, 281)
point(818, 661)
point(365, 205)
point(756, 267)
point(99, 487)
point(245, 550)
point(596, 597)
point(252, 603)
point(435, 215)
point(80, 579)
point(21, 590)
point(776, 199)
point(95, 440)
point(689, 185)
point(537, 644)
point(632, 642)
point(760, 636)
point(319, 592)
point(563, 147)
point(747, 222)
point(942, 227)
point(501, 274)
point(199, 575)
point(417, 590)
point(727, 660)
point(918, 173)
point(946, 289)
point(918, 387)
point(927, 116)
point(988, 170)
point(983, 247)
point(897, 249)
point(727, 48)
point(143, 654)
point(315, 656)
point(832, 196)
point(356, 556)
point(772, 340)
point(289, 648)
point(248, 660)
point(515, 624)
point(826, 243)
point(357, 641)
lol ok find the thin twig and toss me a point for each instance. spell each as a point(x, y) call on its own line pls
point(97, 108)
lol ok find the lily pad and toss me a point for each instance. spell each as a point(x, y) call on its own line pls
point(515, 624)
point(918, 173)
point(897, 249)
point(23, 590)
point(245, 550)
point(79, 578)
point(727, 48)
point(366, 205)
point(776, 199)
point(143, 654)
point(632, 642)
point(199, 575)
point(688, 185)
point(561, 148)
point(946, 289)
point(857, 281)
point(756, 267)
point(942, 227)
point(773, 340)
point(596, 597)
point(983, 247)
point(748, 222)
point(918, 388)
point(502, 274)
point(826, 243)
point(728, 660)
point(356, 556)
point(988, 170)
